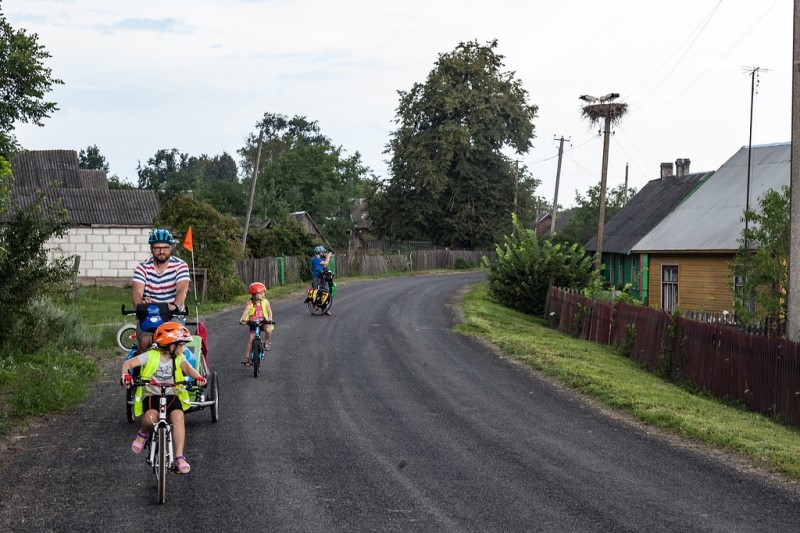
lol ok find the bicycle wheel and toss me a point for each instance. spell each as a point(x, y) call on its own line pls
point(213, 395)
point(126, 337)
point(315, 309)
point(161, 464)
point(255, 355)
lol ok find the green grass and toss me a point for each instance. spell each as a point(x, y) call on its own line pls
point(621, 384)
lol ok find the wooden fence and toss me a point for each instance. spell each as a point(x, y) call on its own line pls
point(762, 372)
point(274, 271)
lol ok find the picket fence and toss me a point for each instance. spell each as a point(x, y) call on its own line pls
point(759, 371)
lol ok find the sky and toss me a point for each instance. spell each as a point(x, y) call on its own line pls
point(197, 75)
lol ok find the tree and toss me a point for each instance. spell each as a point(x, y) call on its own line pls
point(583, 224)
point(24, 80)
point(302, 170)
point(91, 158)
point(286, 238)
point(761, 268)
point(450, 182)
point(217, 243)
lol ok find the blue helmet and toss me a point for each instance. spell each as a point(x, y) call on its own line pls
point(160, 235)
point(319, 250)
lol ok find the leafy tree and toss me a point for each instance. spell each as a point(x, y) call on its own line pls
point(450, 182)
point(115, 183)
point(525, 267)
point(216, 239)
point(285, 239)
point(26, 272)
point(91, 158)
point(583, 224)
point(301, 170)
point(762, 262)
point(24, 80)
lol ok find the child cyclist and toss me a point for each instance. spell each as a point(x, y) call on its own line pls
point(165, 363)
point(258, 307)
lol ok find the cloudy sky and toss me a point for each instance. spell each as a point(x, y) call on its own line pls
point(197, 75)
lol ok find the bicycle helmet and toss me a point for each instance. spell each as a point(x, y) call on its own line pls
point(319, 250)
point(256, 288)
point(171, 333)
point(160, 235)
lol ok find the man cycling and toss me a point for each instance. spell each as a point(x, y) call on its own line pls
point(160, 279)
point(319, 262)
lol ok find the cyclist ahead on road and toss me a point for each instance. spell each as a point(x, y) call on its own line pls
point(319, 262)
point(160, 279)
point(258, 307)
point(166, 364)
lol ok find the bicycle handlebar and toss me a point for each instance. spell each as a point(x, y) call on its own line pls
point(138, 382)
point(128, 312)
point(259, 322)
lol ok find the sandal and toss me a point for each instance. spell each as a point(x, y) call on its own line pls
point(269, 346)
point(138, 443)
point(246, 361)
point(181, 466)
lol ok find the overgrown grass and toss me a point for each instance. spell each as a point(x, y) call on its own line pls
point(621, 384)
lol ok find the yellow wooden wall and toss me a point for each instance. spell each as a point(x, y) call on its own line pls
point(704, 281)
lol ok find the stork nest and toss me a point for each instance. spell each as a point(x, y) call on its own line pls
point(596, 112)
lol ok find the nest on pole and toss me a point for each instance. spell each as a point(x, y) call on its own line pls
point(612, 110)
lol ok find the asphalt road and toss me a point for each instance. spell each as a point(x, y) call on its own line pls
point(379, 418)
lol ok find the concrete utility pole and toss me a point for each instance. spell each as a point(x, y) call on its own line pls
point(516, 187)
point(609, 111)
point(252, 188)
point(555, 195)
point(793, 292)
point(625, 191)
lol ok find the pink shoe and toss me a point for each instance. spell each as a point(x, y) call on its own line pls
point(138, 443)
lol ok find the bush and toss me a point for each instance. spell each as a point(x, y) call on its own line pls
point(217, 243)
point(525, 268)
point(463, 264)
point(25, 270)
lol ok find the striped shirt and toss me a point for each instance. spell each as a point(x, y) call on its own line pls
point(163, 287)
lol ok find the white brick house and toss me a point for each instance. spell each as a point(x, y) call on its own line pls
point(108, 228)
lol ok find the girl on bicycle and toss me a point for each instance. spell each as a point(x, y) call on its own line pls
point(165, 363)
point(257, 308)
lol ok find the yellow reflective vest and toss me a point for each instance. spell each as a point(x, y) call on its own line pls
point(148, 369)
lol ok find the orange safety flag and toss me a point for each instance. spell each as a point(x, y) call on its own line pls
point(187, 241)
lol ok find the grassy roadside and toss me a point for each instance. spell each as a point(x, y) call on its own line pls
point(621, 384)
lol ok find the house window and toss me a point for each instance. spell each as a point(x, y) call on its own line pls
point(669, 287)
point(620, 272)
point(738, 287)
point(635, 271)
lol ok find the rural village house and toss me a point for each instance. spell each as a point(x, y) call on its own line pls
point(686, 258)
point(108, 229)
point(636, 219)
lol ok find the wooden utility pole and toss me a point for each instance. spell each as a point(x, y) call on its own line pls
point(555, 194)
point(606, 109)
point(598, 258)
point(793, 292)
point(252, 188)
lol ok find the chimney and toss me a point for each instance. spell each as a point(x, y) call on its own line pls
point(682, 167)
point(666, 170)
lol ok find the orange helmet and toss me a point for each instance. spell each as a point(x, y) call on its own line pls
point(171, 333)
point(256, 288)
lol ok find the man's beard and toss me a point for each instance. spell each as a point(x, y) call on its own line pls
point(160, 261)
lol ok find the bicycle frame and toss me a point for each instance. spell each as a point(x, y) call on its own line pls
point(161, 454)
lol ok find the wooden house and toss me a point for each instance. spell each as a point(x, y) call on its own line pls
point(686, 259)
point(637, 218)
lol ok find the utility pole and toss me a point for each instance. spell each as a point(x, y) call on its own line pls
point(793, 292)
point(753, 76)
point(252, 188)
point(604, 108)
point(555, 194)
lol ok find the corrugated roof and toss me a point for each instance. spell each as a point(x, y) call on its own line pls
point(644, 211)
point(55, 174)
point(711, 219)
